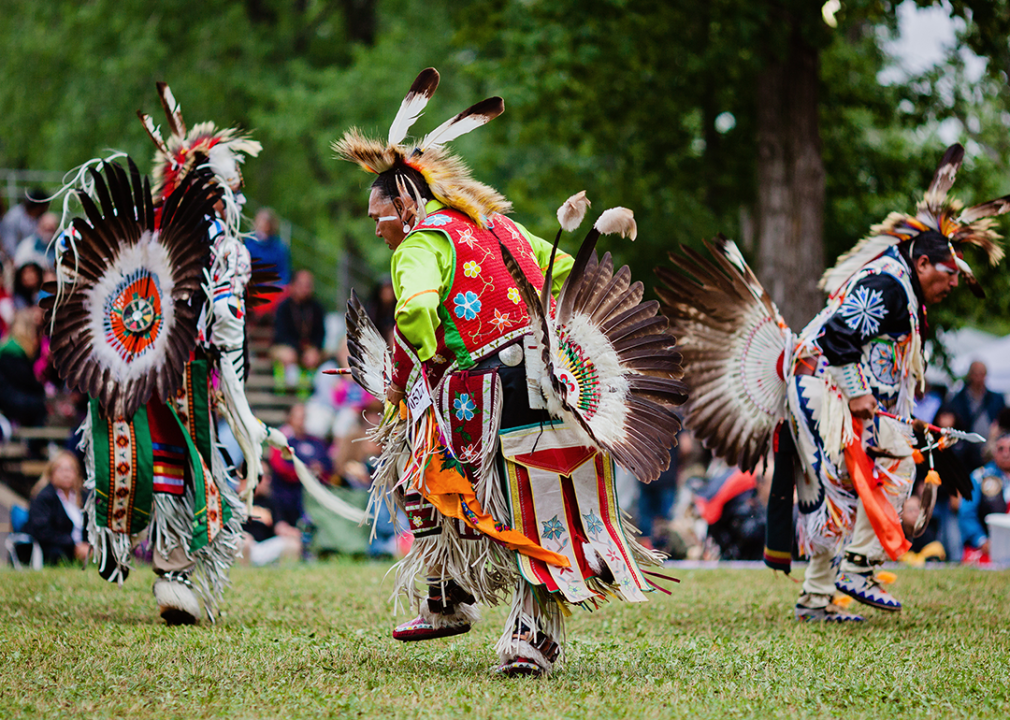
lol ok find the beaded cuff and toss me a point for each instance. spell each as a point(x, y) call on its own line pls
point(850, 380)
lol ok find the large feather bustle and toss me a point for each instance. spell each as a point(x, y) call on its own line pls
point(264, 281)
point(734, 344)
point(117, 238)
point(367, 351)
point(601, 320)
point(448, 177)
point(936, 211)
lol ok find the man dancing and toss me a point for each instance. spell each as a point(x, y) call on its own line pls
point(861, 356)
point(148, 318)
point(502, 475)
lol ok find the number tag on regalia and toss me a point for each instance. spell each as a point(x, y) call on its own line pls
point(419, 398)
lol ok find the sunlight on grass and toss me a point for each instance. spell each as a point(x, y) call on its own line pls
point(313, 641)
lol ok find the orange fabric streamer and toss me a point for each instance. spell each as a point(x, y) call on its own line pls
point(882, 515)
point(739, 482)
point(444, 484)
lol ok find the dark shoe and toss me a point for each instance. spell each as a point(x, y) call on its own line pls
point(520, 666)
point(421, 629)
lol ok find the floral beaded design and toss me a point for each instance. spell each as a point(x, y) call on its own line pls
point(471, 269)
point(467, 304)
point(464, 407)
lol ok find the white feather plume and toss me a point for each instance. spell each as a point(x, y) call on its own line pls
point(619, 221)
point(470, 119)
point(413, 104)
point(572, 211)
point(173, 110)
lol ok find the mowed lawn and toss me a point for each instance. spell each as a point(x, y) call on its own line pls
point(312, 641)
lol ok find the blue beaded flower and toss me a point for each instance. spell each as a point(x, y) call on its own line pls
point(464, 407)
point(467, 305)
point(553, 528)
point(436, 220)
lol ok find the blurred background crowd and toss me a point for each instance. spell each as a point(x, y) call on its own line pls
point(700, 509)
point(791, 126)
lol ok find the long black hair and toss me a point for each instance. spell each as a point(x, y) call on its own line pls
point(387, 182)
point(931, 244)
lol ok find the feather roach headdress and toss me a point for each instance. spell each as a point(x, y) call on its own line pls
point(221, 150)
point(449, 179)
point(937, 212)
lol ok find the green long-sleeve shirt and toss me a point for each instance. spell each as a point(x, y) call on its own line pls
point(422, 268)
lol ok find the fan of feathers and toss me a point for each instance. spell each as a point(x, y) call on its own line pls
point(612, 366)
point(123, 312)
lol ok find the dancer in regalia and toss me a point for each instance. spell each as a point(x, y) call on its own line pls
point(147, 317)
point(845, 386)
point(516, 375)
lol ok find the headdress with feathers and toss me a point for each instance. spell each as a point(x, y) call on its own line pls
point(937, 212)
point(220, 150)
point(447, 176)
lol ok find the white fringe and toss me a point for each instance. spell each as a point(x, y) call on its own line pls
point(480, 566)
point(538, 610)
point(464, 614)
point(639, 553)
point(391, 436)
point(835, 422)
point(168, 593)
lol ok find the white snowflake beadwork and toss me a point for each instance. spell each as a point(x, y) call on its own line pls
point(863, 310)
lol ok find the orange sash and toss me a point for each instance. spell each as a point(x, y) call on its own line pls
point(444, 484)
point(882, 515)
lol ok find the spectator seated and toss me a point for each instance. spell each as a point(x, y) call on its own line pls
point(299, 333)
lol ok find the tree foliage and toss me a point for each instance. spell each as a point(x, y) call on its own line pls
point(643, 103)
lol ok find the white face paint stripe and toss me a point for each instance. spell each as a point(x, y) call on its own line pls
point(386, 217)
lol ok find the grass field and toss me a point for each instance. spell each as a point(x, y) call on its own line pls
point(313, 641)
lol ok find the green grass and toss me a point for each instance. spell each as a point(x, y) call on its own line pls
point(313, 642)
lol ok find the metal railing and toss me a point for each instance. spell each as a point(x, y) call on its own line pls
point(17, 182)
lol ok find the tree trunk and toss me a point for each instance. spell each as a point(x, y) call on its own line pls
point(790, 174)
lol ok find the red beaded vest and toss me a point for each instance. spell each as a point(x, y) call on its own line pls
point(481, 311)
